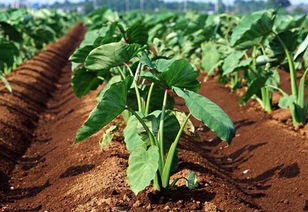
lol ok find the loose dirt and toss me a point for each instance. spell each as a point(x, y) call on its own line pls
point(265, 168)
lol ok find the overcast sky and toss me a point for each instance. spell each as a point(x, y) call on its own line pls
point(51, 1)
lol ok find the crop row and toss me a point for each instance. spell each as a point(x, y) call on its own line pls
point(24, 32)
point(141, 57)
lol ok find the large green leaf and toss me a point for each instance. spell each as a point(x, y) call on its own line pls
point(137, 33)
point(11, 32)
point(289, 38)
point(81, 54)
point(142, 167)
point(210, 57)
point(83, 81)
point(177, 73)
point(111, 104)
point(110, 55)
point(288, 22)
point(232, 62)
point(132, 134)
point(251, 30)
point(209, 113)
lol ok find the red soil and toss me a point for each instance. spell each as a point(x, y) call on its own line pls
point(265, 168)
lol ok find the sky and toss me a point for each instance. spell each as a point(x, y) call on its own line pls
point(226, 1)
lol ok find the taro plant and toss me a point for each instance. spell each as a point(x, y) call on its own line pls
point(141, 85)
point(269, 41)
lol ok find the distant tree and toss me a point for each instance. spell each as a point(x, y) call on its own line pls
point(278, 3)
point(88, 6)
point(243, 7)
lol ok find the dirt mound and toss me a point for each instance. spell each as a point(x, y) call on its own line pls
point(32, 84)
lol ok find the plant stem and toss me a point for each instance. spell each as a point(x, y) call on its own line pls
point(121, 73)
point(266, 99)
point(171, 153)
point(147, 107)
point(138, 96)
point(294, 88)
point(161, 129)
point(291, 67)
point(150, 134)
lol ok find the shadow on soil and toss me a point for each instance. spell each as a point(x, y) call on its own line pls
point(22, 193)
point(183, 194)
point(77, 170)
point(226, 165)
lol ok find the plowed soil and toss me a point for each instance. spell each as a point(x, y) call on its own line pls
point(265, 168)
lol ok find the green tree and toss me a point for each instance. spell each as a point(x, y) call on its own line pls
point(278, 3)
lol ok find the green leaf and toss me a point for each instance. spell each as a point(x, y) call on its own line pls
point(113, 80)
point(251, 30)
point(107, 137)
point(302, 48)
point(136, 135)
point(132, 133)
point(11, 32)
point(83, 81)
point(286, 101)
point(192, 181)
point(209, 113)
point(137, 33)
point(81, 54)
point(142, 167)
point(5, 82)
point(112, 103)
point(189, 127)
point(177, 73)
point(232, 62)
point(110, 55)
point(288, 22)
point(290, 40)
point(210, 57)
point(253, 88)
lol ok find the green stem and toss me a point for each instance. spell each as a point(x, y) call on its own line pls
point(266, 99)
point(121, 73)
point(138, 96)
point(161, 129)
point(294, 88)
point(291, 67)
point(147, 107)
point(171, 153)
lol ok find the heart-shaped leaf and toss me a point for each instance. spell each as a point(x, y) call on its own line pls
point(142, 167)
point(81, 54)
point(209, 113)
point(171, 73)
point(83, 81)
point(252, 29)
point(111, 104)
point(232, 62)
point(110, 55)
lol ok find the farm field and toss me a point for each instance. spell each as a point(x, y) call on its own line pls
point(189, 113)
